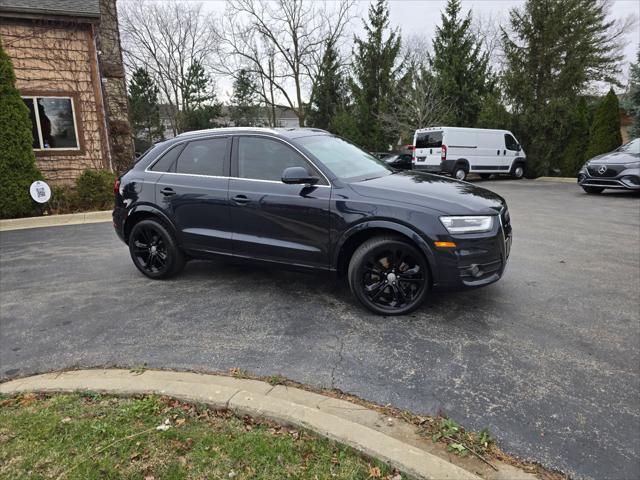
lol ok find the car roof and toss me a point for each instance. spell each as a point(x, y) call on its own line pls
point(290, 132)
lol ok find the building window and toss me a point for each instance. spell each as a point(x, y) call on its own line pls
point(53, 123)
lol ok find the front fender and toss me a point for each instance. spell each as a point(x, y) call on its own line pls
point(388, 225)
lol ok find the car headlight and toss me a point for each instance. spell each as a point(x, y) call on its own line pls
point(632, 165)
point(470, 224)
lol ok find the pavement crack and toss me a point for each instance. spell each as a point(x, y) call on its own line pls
point(226, 406)
point(338, 362)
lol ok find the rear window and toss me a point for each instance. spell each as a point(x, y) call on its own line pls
point(429, 140)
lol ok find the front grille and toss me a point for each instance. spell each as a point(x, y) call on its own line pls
point(601, 182)
point(611, 170)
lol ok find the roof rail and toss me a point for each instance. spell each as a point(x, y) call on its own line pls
point(228, 129)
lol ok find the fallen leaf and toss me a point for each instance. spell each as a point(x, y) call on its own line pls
point(149, 477)
point(374, 472)
point(180, 421)
point(66, 420)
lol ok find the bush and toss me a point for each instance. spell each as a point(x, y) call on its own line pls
point(94, 189)
point(63, 200)
point(18, 168)
point(605, 133)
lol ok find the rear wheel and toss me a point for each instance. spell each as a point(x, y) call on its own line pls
point(154, 250)
point(485, 176)
point(460, 171)
point(388, 276)
point(593, 190)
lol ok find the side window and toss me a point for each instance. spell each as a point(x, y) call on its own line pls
point(167, 162)
point(261, 158)
point(510, 142)
point(203, 157)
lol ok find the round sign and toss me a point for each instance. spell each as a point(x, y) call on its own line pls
point(40, 191)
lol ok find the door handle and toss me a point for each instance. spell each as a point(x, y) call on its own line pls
point(504, 152)
point(167, 191)
point(498, 152)
point(241, 199)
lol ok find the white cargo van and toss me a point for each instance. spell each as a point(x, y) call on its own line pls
point(460, 151)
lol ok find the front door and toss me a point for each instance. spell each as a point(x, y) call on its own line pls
point(272, 220)
point(194, 192)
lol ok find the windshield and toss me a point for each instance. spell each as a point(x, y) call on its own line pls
point(344, 159)
point(632, 147)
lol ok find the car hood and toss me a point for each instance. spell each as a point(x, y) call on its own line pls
point(615, 158)
point(436, 192)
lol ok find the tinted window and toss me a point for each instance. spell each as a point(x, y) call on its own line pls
point(510, 142)
point(57, 123)
point(167, 162)
point(429, 140)
point(203, 157)
point(34, 125)
point(260, 158)
point(344, 159)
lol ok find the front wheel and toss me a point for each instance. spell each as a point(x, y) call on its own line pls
point(517, 171)
point(154, 250)
point(593, 190)
point(389, 276)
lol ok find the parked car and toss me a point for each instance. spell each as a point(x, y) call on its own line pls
point(619, 169)
point(307, 199)
point(460, 151)
point(399, 160)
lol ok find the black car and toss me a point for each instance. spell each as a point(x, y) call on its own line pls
point(619, 169)
point(399, 160)
point(306, 198)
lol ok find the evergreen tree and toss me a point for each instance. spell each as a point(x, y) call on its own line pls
point(553, 50)
point(328, 93)
point(244, 101)
point(634, 96)
point(578, 140)
point(374, 74)
point(144, 107)
point(18, 168)
point(460, 66)
point(605, 131)
point(200, 105)
point(493, 113)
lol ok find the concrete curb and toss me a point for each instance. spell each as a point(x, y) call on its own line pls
point(557, 179)
point(55, 220)
point(344, 422)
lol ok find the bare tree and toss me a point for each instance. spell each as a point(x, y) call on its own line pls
point(281, 42)
point(167, 38)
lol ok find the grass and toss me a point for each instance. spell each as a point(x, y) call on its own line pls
point(90, 436)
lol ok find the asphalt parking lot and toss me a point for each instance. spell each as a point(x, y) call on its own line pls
point(548, 358)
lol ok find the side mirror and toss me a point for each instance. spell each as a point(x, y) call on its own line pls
point(518, 147)
point(298, 175)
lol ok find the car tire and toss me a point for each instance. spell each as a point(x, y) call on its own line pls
point(388, 275)
point(517, 171)
point(154, 250)
point(593, 190)
point(485, 176)
point(460, 172)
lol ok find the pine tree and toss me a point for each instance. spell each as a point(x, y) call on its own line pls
point(18, 168)
point(244, 102)
point(553, 50)
point(374, 74)
point(328, 93)
point(460, 66)
point(605, 133)
point(634, 96)
point(578, 140)
point(493, 113)
point(144, 107)
point(200, 105)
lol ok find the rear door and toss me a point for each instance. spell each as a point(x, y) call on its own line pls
point(272, 220)
point(428, 150)
point(193, 190)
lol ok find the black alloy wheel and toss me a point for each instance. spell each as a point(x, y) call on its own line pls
point(154, 251)
point(388, 276)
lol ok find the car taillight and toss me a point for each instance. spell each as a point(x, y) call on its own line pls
point(116, 187)
point(444, 152)
point(413, 159)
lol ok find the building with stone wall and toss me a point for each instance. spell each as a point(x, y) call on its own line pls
point(68, 63)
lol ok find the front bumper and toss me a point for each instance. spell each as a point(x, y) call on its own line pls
point(613, 177)
point(478, 260)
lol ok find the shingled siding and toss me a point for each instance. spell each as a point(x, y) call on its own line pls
point(58, 59)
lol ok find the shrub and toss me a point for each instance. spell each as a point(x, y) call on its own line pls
point(63, 200)
point(94, 189)
point(18, 168)
point(605, 131)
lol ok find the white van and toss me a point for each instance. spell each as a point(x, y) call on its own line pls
point(460, 151)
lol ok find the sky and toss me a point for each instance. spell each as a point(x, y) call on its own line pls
point(420, 17)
